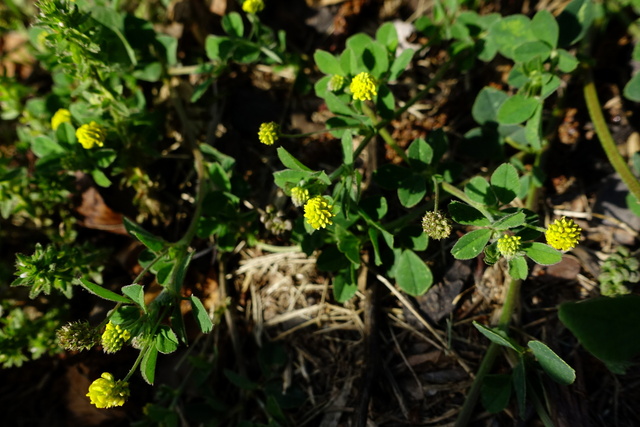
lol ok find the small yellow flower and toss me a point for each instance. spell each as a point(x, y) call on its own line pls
point(318, 212)
point(509, 246)
point(436, 225)
point(299, 196)
point(91, 134)
point(363, 87)
point(61, 116)
point(336, 83)
point(253, 6)
point(269, 133)
point(114, 337)
point(563, 234)
point(105, 392)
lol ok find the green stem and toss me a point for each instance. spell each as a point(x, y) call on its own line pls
point(384, 133)
point(606, 140)
point(148, 267)
point(455, 191)
point(303, 135)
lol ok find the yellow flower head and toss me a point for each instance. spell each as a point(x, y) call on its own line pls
point(269, 133)
point(563, 234)
point(253, 6)
point(363, 87)
point(114, 337)
point(508, 246)
point(336, 83)
point(318, 212)
point(61, 116)
point(105, 392)
point(91, 134)
point(299, 196)
point(436, 225)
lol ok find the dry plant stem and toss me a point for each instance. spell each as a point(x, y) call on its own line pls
point(606, 140)
point(372, 350)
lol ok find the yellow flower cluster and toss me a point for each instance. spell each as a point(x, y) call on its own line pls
point(508, 246)
point(91, 134)
point(114, 337)
point(363, 87)
point(299, 196)
point(436, 225)
point(318, 212)
point(253, 6)
point(61, 116)
point(106, 392)
point(269, 133)
point(563, 234)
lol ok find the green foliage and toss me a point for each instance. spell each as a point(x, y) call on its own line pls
point(618, 271)
point(606, 327)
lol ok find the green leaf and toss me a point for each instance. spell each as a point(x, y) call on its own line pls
point(327, 63)
point(136, 293)
point(148, 365)
point(166, 340)
point(218, 48)
point(517, 109)
point(412, 191)
point(505, 182)
point(154, 243)
point(513, 220)
point(376, 59)
point(413, 275)
point(533, 129)
point(201, 315)
point(100, 178)
point(632, 203)
point(496, 392)
point(385, 102)
point(487, 104)
point(348, 244)
point(289, 161)
point(497, 336)
point(541, 253)
point(566, 61)
point(347, 148)
point(115, 22)
point(520, 383)
point(545, 28)
point(479, 190)
point(344, 285)
point(471, 244)
point(510, 32)
point(201, 89)
point(462, 213)
point(101, 292)
point(337, 105)
point(103, 157)
point(518, 268)
point(66, 134)
point(240, 381)
point(530, 50)
point(388, 36)
point(574, 21)
point(632, 88)
point(232, 24)
point(606, 327)
point(400, 64)
point(44, 146)
point(553, 365)
point(420, 154)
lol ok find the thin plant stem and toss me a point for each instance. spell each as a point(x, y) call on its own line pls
point(606, 140)
point(455, 191)
point(384, 133)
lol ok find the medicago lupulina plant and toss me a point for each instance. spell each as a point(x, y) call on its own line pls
point(365, 222)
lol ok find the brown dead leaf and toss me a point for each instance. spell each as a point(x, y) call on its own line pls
point(97, 215)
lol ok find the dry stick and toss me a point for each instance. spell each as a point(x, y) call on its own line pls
point(371, 356)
